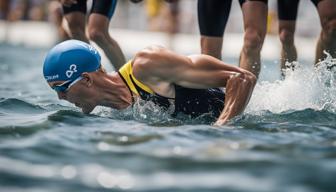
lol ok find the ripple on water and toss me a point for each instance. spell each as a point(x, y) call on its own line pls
point(17, 106)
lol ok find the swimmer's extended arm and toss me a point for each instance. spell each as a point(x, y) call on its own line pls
point(199, 71)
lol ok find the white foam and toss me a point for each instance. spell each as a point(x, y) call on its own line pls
point(305, 87)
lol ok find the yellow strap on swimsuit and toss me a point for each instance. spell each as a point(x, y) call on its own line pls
point(127, 73)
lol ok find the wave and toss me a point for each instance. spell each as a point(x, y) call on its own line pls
point(21, 118)
point(13, 105)
point(23, 130)
point(306, 116)
point(77, 118)
point(107, 138)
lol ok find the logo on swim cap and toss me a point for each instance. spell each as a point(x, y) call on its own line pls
point(70, 72)
point(50, 78)
point(69, 59)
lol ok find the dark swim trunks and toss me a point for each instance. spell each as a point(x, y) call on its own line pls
point(103, 7)
point(213, 15)
point(287, 9)
point(191, 102)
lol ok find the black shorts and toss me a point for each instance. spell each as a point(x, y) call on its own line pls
point(103, 7)
point(287, 9)
point(214, 14)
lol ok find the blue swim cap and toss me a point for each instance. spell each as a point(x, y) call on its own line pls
point(69, 59)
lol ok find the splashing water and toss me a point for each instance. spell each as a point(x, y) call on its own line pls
point(305, 87)
point(48, 145)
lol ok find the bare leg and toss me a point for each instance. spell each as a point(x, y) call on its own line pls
point(286, 33)
point(76, 23)
point(56, 17)
point(255, 19)
point(327, 39)
point(212, 46)
point(98, 32)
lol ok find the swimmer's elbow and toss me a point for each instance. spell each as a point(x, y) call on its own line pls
point(149, 57)
point(145, 59)
point(150, 52)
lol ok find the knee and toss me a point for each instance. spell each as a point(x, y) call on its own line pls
point(96, 35)
point(286, 37)
point(75, 29)
point(253, 41)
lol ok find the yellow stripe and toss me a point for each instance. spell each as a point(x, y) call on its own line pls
point(126, 71)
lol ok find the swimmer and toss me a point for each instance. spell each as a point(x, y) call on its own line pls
point(287, 13)
point(192, 84)
point(98, 25)
point(212, 18)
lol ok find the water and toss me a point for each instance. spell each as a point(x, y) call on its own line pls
point(285, 141)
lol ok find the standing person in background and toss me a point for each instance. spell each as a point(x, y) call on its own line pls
point(287, 13)
point(212, 19)
point(4, 9)
point(98, 24)
point(173, 25)
point(18, 10)
point(56, 17)
point(27, 10)
point(163, 17)
point(37, 10)
point(153, 8)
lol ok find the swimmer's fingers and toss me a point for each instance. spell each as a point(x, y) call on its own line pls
point(68, 3)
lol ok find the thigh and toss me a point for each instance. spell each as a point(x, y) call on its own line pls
point(213, 16)
point(98, 22)
point(327, 11)
point(104, 7)
point(255, 16)
point(241, 2)
point(79, 7)
point(287, 9)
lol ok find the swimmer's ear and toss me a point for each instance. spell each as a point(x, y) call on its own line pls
point(87, 78)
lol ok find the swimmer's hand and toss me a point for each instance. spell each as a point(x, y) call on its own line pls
point(238, 91)
point(68, 3)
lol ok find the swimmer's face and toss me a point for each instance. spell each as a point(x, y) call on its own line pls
point(78, 93)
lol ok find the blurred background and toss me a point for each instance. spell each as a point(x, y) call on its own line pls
point(136, 25)
point(285, 140)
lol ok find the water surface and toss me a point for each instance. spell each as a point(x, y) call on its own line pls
point(285, 141)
